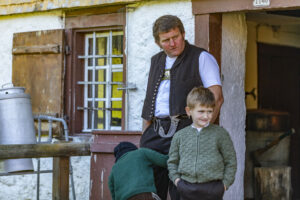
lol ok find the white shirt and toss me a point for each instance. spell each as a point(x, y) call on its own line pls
point(209, 73)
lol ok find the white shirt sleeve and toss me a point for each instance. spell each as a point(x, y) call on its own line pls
point(209, 70)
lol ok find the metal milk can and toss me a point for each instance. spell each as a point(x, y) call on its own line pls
point(16, 124)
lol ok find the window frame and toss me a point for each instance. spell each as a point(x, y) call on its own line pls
point(75, 32)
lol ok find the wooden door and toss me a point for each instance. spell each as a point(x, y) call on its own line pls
point(279, 89)
point(38, 59)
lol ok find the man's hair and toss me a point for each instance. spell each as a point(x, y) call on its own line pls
point(166, 23)
point(202, 96)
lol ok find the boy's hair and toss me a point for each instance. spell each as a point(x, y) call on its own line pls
point(202, 96)
point(166, 23)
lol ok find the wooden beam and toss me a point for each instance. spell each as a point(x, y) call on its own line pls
point(43, 49)
point(221, 6)
point(60, 183)
point(44, 150)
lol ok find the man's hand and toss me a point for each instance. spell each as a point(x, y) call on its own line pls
point(176, 181)
point(217, 91)
point(146, 123)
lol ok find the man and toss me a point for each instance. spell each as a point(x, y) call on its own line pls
point(173, 73)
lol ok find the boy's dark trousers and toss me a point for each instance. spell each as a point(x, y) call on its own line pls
point(213, 190)
point(151, 139)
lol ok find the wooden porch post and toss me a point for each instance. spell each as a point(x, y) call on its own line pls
point(208, 34)
point(60, 187)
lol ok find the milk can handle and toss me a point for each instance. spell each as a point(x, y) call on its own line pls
point(5, 84)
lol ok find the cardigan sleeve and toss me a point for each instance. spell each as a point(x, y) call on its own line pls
point(173, 160)
point(155, 158)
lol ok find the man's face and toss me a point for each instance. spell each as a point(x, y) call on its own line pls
point(172, 42)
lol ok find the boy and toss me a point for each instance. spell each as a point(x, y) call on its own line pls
point(131, 177)
point(202, 159)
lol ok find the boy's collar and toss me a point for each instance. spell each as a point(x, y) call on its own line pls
point(199, 129)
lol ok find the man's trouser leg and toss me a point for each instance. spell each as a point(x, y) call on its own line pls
point(161, 182)
point(174, 194)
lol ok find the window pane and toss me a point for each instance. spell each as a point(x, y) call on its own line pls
point(90, 46)
point(90, 51)
point(90, 115)
point(117, 48)
point(100, 75)
point(101, 46)
point(117, 44)
point(100, 89)
point(90, 62)
point(116, 116)
point(101, 61)
point(117, 61)
point(116, 77)
point(90, 87)
point(101, 49)
point(100, 115)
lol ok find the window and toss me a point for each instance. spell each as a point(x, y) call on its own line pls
point(103, 75)
point(95, 70)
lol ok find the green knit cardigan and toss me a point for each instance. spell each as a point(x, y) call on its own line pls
point(204, 156)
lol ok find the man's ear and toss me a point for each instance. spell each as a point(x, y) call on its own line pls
point(187, 110)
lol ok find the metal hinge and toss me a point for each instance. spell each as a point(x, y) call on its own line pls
point(67, 50)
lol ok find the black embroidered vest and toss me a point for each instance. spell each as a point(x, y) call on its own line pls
point(184, 77)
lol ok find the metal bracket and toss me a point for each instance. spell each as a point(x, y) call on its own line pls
point(102, 109)
point(129, 86)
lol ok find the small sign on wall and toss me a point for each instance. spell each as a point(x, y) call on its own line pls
point(261, 3)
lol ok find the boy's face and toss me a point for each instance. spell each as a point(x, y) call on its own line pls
point(201, 115)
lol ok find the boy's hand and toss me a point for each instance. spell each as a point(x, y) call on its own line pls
point(225, 188)
point(176, 181)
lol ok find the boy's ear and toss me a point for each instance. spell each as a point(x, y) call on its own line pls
point(187, 110)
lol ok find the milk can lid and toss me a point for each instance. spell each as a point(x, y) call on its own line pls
point(9, 88)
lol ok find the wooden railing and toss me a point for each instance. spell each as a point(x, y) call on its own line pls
point(60, 152)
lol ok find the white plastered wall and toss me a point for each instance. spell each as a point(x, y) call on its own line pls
point(233, 112)
point(24, 186)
